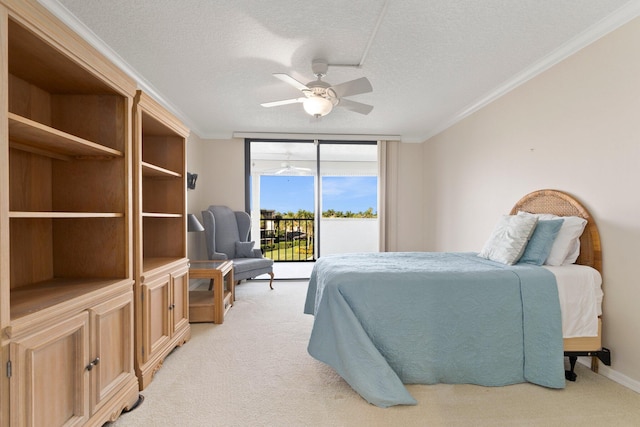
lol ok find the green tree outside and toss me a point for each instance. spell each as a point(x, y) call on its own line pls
point(329, 213)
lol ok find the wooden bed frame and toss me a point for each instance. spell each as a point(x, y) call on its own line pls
point(562, 204)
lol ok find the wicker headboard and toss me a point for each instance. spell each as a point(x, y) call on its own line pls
point(561, 204)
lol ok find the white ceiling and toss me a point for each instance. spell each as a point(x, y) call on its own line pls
point(431, 62)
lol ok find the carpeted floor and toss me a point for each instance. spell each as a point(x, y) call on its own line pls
point(254, 370)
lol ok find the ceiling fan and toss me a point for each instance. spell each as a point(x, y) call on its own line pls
point(289, 169)
point(320, 97)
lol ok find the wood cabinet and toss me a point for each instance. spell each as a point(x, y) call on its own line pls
point(163, 310)
point(49, 380)
point(72, 370)
point(111, 351)
point(161, 264)
point(66, 271)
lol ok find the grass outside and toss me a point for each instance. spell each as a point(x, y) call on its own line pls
point(288, 251)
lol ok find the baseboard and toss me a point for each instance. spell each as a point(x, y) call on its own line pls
point(612, 374)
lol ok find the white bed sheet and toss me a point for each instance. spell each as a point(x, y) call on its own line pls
point(580, 292)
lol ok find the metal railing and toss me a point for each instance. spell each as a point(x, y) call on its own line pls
point(287, 239)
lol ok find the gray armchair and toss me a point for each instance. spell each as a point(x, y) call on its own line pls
point(227, 234)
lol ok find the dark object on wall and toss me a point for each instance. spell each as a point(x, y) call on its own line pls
point(191, 180)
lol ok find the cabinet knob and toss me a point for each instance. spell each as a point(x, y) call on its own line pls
point(172, 306)
point(93, 363)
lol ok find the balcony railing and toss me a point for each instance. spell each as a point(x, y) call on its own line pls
point(287, 239)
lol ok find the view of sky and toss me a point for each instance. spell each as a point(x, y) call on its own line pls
point(292, 193)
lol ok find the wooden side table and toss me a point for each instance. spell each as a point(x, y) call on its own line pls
point(211, 305)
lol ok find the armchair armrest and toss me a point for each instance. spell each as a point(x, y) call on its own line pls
point(257, 253)
point(218, 256)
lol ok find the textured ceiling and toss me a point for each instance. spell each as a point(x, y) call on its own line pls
point(430, 61)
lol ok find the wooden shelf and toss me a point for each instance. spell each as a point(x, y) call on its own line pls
point(29, 135)
point(161, 215)
point(65, 215)
point(150, 264)
point(66, 275)
point(211, 305)
point(35, 298)
point(161, 267)
point(151, 170)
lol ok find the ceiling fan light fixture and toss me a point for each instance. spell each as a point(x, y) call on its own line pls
point(320, 97)
point(317, 106)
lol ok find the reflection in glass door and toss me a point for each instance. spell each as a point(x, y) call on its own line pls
point(283, 198)
point(348, 198)
point(299, 216)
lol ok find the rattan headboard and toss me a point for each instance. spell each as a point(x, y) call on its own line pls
point(559, 203)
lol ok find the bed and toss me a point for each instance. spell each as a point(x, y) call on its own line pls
point(382, 320)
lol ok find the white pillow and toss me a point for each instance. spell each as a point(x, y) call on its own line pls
point(509, 238)
point(574, 252)
point(566, 247)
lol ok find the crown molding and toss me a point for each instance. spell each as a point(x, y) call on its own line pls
point(322, 136)
point(618, 18)
point(610, 23)
point(69, 19)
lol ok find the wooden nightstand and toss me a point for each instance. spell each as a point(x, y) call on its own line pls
point(211, 305)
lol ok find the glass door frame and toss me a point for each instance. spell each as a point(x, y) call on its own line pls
point(318, 181)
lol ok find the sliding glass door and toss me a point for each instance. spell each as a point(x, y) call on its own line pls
point(348, 198)
point(283, 182)
point(312, 198)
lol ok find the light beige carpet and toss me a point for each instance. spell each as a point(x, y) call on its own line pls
point(254, 370)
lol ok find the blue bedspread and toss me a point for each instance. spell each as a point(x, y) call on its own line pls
point(383, 320)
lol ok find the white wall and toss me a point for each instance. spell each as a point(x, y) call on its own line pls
point(348, 235)
point(220, 168)
point(574, 128)
point(195, 164)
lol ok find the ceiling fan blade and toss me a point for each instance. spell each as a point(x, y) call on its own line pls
point(288, 171)
point(290, 80)
point(353, 87)
point(283, 102)
point(291, 170)
point(358, 107)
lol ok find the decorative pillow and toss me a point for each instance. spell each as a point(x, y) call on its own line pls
point(541, 242)
point(244, 249)
point(566, 247)
point(509, 238)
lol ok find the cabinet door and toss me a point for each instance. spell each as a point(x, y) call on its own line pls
point(180, 303)
point(111, 348)
point(49, 384)
point(156, 326)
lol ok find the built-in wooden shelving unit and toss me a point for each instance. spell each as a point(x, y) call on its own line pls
point(66, 275)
